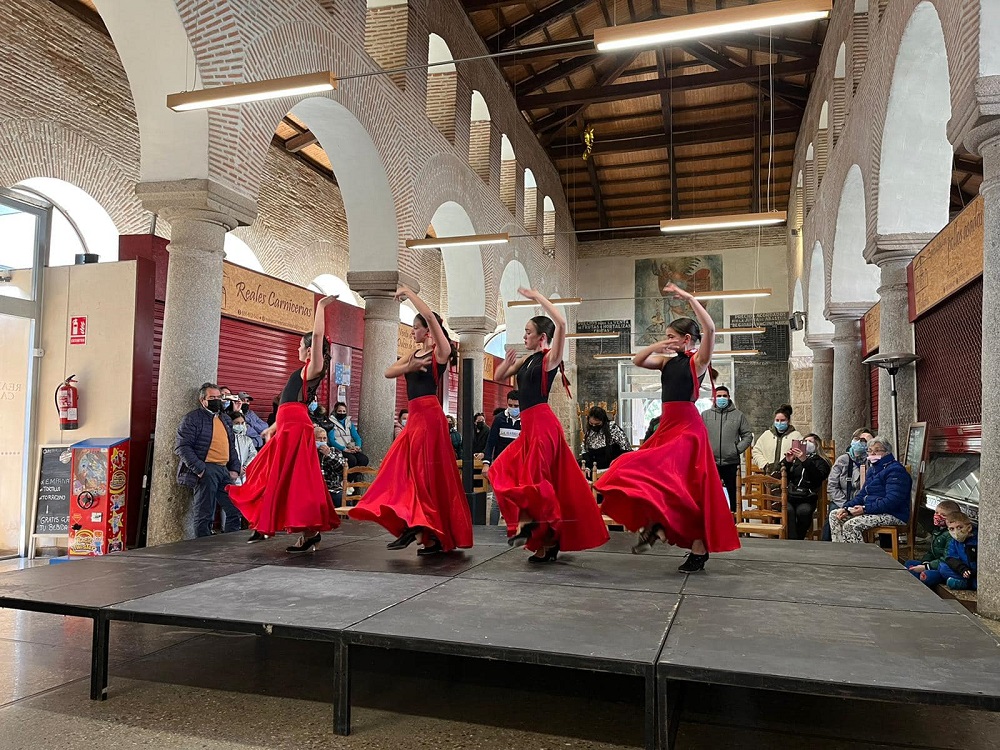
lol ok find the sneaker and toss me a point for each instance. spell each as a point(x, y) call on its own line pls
point(957, 584)
point(256, 536)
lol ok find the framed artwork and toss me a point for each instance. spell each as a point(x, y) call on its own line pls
point(915, 458)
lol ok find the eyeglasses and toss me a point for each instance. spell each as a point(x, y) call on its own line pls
point(876, 452)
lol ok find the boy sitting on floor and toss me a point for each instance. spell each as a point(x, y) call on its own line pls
point(939, 540)
point(958, 569)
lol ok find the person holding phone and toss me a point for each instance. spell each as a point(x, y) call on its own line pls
point(807, 467)
point(772, 445)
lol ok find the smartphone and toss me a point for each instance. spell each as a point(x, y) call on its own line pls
point(799, 445)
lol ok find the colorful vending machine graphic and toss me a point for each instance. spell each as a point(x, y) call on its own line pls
point(97, 505)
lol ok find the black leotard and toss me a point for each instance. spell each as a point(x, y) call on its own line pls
point(423, 382)
point(677, 379)
point(292, 391)
point(529, 381)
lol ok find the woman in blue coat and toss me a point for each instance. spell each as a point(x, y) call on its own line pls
point(884, 500)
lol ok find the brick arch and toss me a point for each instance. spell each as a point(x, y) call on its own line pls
point(33, 148)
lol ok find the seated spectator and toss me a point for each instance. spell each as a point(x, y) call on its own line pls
point(239, 403)
point(245, 447)
point(939, 540)
point(456, 437)
point(807, 468)
point(604, 440)
point(884, 499)
point(480, 436)
point(400, 423)
point(847, 474)
point(331, 461)
point(345, 438)
point(319, 415)
point(771, 446)
point(654, 423)
point(958, 569)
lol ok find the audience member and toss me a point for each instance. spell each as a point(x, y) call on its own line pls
point(603, 441)
point(239, 403)
point(958, 569)
point(331, 462)
point(505, 430)
point(654, 424)
point(884, 499)
point(206, 446)
point(772, 445)
point(245, 447)
point(939, 540)
point(400, 423)
point(480, 435)
point(847, 474)
point(274, 411)
point(456, 437)
point(730, 435)
point(345, 438)
point(807, 468)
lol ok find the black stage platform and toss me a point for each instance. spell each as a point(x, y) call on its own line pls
point(804, 617)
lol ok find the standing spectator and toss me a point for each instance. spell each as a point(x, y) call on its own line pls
point(807, 468)
point(847, 474)
point(604, 440)
point(730, 435)
point(772, 445)
point(206, 447)
point(400, 422)
point(345, 438)
point(505, 430)
point(245, 447)
point(884, 500)
point(480, 436)
point(456, 437)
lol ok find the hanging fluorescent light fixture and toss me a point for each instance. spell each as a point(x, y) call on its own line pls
point(430, 243)
point(733, 221)
point(613, 356)
point(732, 294)
point(593, 335)
point(241, 93)
point(559, 301)
point(735, 353)
point(710, 23)
point(726, 331)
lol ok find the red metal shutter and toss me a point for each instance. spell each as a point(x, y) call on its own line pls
point(257, 360)
point(873, 377)
point(354, 390)
point(157, 345)
point(401, 399)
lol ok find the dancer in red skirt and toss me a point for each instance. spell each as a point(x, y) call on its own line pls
point(539, 487)
point(417, 494)
point(284, 487)
point(669, 490)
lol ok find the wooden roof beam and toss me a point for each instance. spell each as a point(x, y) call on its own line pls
point(702, 52)
point(298, 142)
point(538, 20)
point(550, 123)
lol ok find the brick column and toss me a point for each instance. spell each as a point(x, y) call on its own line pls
point(851, 407)
point(200, 213)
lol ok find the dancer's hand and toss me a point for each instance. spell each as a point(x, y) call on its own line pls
point(327, 301)
point(675, 290)
point(403, 293)
point(416, 365)
point(531, 294)
point(510, 358)
point(269, 432)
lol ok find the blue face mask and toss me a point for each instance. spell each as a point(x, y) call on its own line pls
point(514, 411)
point(313, 406)
point(722, 402)
point(780, 426)
point(320, 443)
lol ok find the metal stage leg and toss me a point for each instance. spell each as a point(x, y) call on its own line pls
point(341, 690)
point(650, 723)
point(99, 658)
point(669, 694)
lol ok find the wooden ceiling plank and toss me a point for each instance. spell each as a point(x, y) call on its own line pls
point(558, 10)
point(547, 125)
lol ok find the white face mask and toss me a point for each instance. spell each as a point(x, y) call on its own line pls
point(874, 459)
point(240, 429)
point(810, 448)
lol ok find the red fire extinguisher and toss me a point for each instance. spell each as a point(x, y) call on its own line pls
point(67, 403)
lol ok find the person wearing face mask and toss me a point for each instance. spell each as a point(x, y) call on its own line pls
point(481, 433)
point(730, 435)
point(245, 447)
point(604, 440)
point(771, 446)
point(331, 462)
point(884, 498)
point(506, 428)
point(939, 540)
point(206, 446)
point(958, 569)
point(456, 437)
point(345, 438)
point(847, 474)
point(807, 467)
point(400, 422)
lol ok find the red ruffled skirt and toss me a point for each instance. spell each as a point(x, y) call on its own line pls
point(284, 487)
point(418, 483)
point(539, 475)
point(672, 481)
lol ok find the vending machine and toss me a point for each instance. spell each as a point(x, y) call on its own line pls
point(99, 475)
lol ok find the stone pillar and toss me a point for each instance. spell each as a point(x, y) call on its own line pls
point(200, 213)
point(892, 254)
point(472, 332)
point(378, 394)
point(822, 395)
point(851, 400)
point(985, 140)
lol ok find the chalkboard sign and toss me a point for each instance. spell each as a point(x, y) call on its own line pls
point(52, 504)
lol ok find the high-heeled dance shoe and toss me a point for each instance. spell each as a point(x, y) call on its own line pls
point(550, 555)
point(256, 536)
point(430, 550)
point(404, 540)
point(521, 538)
point(693, 563)
point(647, 538)
point(306, 545)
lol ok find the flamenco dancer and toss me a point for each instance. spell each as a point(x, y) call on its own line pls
point(284, 487)
point(539, 487)
point(417, 495)
point(669, 490)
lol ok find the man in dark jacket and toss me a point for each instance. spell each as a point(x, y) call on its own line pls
point(209, 462)
point(730, 435)
point(505, 430)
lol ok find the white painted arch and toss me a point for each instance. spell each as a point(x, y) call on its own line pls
point(816, 322)
point(438, 51)
point(463, 265)
point(515, 276)
point(852, 279)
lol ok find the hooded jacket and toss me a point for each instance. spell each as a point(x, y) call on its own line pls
point(729, 433)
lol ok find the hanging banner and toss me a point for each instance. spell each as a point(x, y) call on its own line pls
point(488, 368)
point(405, 343)
point(258, 298)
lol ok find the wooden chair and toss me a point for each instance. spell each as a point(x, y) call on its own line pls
point(582, 410)
point(611, 523)
point(757, 513)
point(479, 481)
point(359, 486)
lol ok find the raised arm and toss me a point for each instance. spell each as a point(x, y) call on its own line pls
point(704, 356)
point(510, 365)
point(651, 357)
point(554, 358)
point(442, 344)
point(316, 363)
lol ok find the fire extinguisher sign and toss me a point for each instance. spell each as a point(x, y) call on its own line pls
point(78, 330)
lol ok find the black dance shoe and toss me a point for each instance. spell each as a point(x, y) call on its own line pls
point(549, 556)
point(647, 538)
point(521, 538)
point(307, 545)
point(256, 536)
point(693, 563)
point(431, 550)
point(405, 539)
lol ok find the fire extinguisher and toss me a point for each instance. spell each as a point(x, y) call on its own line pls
point(67, 403)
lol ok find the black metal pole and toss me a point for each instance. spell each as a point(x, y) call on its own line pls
point(477, 501)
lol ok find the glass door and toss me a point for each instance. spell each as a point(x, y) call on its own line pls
point(25, 225)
